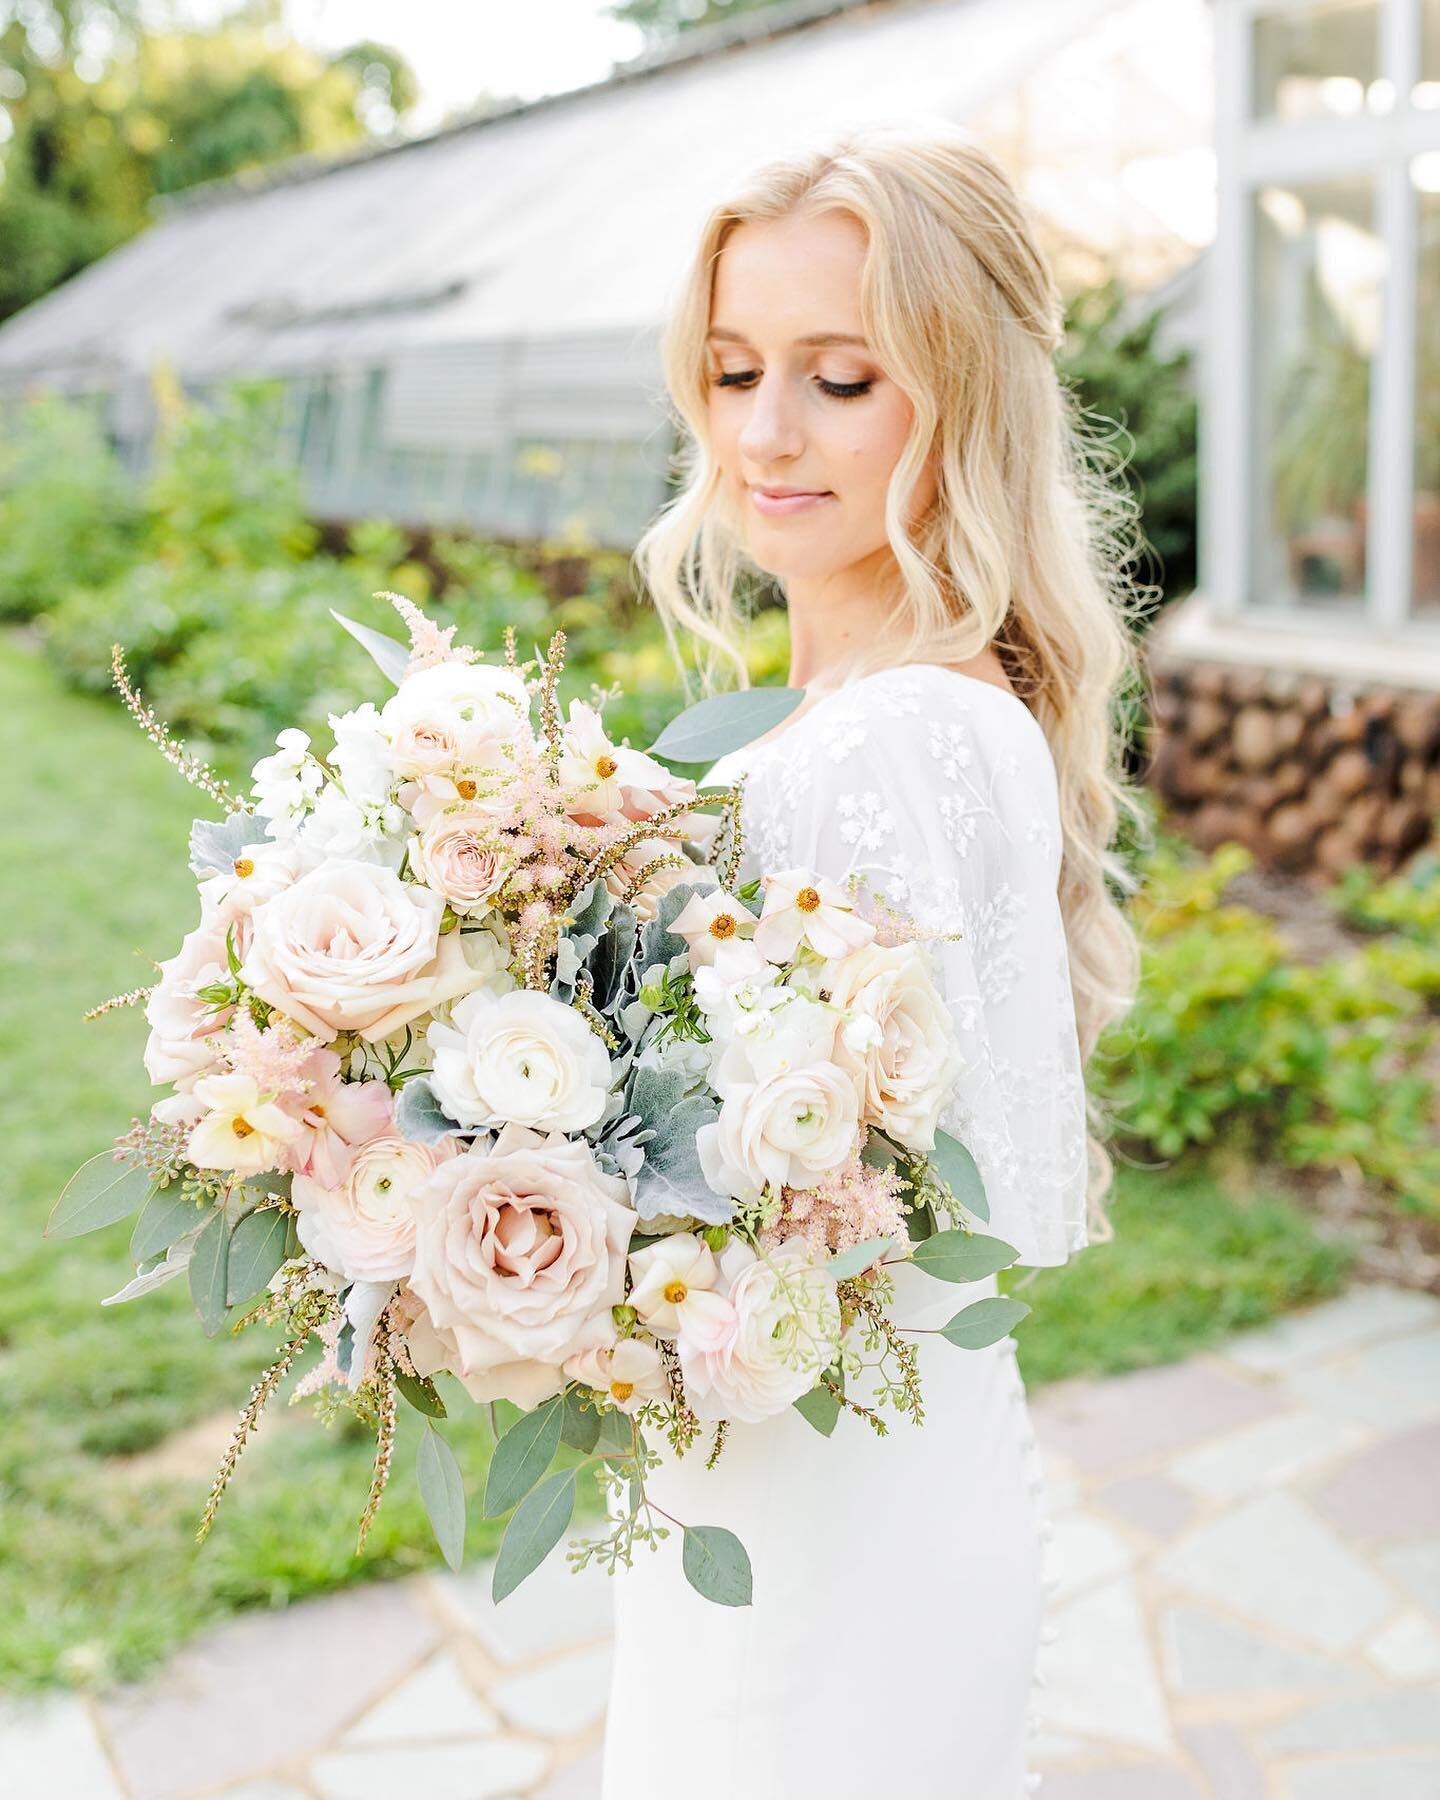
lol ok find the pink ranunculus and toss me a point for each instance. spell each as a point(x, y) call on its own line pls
point(335, 1116)
point(363, 1226)
point(519, 1256)
point(351, 947)
point(178, 1048)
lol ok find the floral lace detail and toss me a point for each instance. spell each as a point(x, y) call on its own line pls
point(939, 791)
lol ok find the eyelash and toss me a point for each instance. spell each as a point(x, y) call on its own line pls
point(840, 390)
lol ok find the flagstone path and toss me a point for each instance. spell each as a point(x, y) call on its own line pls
point(1245, 1604)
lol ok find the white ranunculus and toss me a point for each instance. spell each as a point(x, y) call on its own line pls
point(786, 1130)
point(906, 1062)
point(454, 715)
point(364, 1229)
point(519, 1258)
point(351, 947)
point(785, 1332)
point(523, 1057)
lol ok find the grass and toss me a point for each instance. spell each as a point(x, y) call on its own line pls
point(100, 1489)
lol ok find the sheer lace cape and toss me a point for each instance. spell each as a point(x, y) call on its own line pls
point(940, 790)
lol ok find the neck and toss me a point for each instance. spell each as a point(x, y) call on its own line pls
point(832, 619)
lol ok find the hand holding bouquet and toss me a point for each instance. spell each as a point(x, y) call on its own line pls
point(487, 1072)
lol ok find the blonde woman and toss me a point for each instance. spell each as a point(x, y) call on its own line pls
point(863, 360)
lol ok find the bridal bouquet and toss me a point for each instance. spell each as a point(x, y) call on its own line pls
point(485, 1069)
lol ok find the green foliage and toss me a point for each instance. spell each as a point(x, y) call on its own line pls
point(68, 516)
point(91, 143)
point(1233, 1041)
point(1407, 903)
point(1119, 374)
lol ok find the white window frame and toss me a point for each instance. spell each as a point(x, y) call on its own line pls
point(1251, 153)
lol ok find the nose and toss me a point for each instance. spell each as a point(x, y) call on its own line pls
point(771, 432)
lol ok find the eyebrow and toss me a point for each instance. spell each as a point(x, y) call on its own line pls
point(815, 337)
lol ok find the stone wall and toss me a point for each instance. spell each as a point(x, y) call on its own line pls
point(1309, 773)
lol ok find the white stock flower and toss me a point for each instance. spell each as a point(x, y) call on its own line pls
point(286, 782)
point(785, 1332)
point(801, 907)
point(521, 1056)
point(362, 755)
point(900, 1043)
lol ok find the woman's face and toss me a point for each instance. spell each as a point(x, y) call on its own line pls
point(797, 401)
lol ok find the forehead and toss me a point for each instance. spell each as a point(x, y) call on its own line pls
point(784, 278)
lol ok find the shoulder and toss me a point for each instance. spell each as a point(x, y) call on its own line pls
point(918, 753)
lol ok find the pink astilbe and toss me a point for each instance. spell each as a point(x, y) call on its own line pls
point(850, 1203)
point(275, 1059)
point(429, 644)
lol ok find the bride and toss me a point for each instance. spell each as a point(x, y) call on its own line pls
point(863, 358)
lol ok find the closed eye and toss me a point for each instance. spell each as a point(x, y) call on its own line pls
point(841, 390)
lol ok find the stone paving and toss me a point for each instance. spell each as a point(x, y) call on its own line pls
point(1245, 1554)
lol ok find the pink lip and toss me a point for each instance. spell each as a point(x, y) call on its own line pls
point(780, 505)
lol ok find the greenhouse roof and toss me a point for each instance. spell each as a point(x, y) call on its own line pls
point(571, 215)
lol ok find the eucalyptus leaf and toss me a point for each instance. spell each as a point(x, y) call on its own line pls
point(209, 1261)
point(392, 658)
point(614, 1437)
point(257, 1249)
point(716, 1565)
point(956, 1167)
point(176, 1260)
point(421, 1393)
point(97, 1194)
point(522, 1456)
point(860, 1256)
point(580, 1423)
point(166, 1217)
point(443, 1492)
point(706, 731)
point(536, 1526)
point(986, 1322)
point(820, 1408)
point(962, 1256)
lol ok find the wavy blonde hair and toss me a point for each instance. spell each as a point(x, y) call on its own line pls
point(1026, 543)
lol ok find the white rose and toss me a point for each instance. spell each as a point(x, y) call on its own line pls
point(351, 947)
point(785, 1332)
point(523, 1057)
point(907, 1061)
point(456, 855)
point(364, 1229)
point(519, 1257)
point(783, 1131)
point(454, 715)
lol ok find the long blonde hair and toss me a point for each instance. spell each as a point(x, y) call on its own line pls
point(1027, 541)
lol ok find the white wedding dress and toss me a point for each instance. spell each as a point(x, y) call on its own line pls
point(890, 1649)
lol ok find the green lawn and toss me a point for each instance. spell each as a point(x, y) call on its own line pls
point(99, 1573)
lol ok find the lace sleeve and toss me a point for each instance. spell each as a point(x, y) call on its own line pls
point(940, 791)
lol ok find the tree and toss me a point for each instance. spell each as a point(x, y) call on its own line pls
point(103, 116)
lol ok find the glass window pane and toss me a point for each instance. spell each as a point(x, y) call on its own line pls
point(1426, 586)
point(1318, 62)
point(1318, 272)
